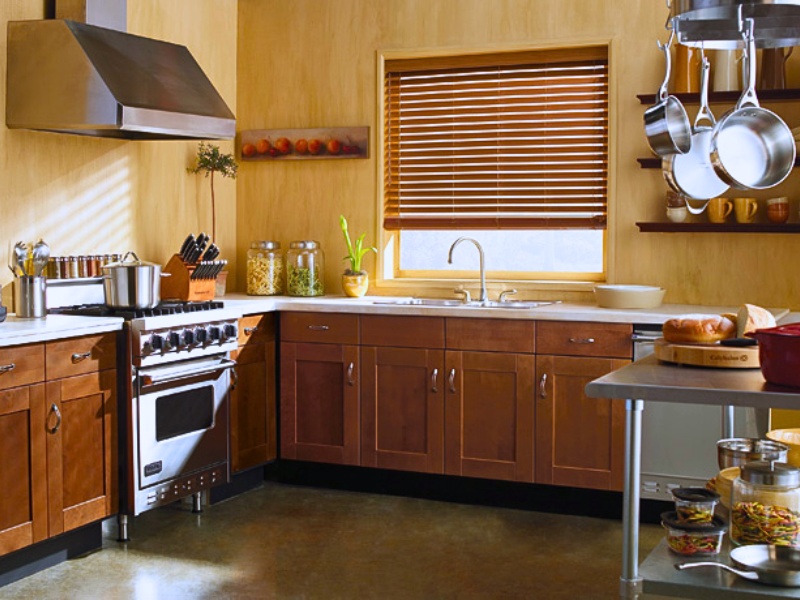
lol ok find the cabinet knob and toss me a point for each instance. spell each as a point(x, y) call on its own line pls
point(79, 356)
point(250, 330)
point(7, 368)
point(54, 410)
point(543, 386)
point(434, 378)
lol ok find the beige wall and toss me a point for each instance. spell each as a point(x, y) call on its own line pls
point(312, 63)
point(88, 195)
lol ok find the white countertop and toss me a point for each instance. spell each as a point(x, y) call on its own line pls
point(15, 331)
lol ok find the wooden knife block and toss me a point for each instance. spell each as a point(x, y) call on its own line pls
point(179, 285)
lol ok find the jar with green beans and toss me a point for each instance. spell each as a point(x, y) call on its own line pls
point(305, 269)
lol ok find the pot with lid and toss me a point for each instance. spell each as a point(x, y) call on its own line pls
point(132, 283)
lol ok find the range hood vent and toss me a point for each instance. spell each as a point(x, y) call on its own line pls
point(72, 77)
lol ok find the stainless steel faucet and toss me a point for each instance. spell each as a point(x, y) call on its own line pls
point(484, 296)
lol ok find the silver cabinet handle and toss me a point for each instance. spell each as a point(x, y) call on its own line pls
point(234, 378)
point(581, 340)
point(542, 386)
point(79, 356)
point(54, 409)
point(7, 368)
point(451, 379)
point(318, 327)
point(250, 330)
point(434, 377)
point(350, 368)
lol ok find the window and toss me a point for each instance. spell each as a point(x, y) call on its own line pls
point(509, 148)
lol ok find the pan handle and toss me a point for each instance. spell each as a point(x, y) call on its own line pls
point(662, 91)
point(749, 97)
point(746, 574)
point(704, 112)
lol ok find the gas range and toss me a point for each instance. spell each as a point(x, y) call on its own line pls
point(171, 331)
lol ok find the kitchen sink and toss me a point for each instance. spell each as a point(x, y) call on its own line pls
point(461, 303)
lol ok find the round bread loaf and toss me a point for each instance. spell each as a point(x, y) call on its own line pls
point(698, 329)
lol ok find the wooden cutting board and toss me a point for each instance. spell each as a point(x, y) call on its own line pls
point(711, 355)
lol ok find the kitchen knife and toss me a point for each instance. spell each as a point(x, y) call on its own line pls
point(202, 241)
point(211, 253)
point(187, 244)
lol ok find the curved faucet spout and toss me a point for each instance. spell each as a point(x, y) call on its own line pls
point(483, 296)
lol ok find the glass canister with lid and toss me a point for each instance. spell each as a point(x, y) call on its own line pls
point(765, 505)
point(305, 269)
point(264, 269)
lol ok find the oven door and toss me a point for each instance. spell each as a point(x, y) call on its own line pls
point(181, 416)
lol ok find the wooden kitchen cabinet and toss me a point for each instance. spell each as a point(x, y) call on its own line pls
point(402, 393)
point(489, 418)
point(319, 398)
point(253, 404)
point(579, 440)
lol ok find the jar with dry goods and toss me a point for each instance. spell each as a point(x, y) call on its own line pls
point(765, 505)
point(305, 269)
point(264, 269)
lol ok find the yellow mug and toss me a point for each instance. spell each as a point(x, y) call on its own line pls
point(719, 209)
point(745, 209)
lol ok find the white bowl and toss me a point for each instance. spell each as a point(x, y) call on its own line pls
point(629, 296)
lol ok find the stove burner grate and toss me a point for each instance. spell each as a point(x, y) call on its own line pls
point(164, 308)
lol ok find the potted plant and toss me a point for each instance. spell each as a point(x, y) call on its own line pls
point(210, 160)
point(355, 281)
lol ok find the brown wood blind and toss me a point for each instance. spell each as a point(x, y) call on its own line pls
point(511, 140)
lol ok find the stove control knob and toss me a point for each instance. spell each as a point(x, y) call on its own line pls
point(200, 335)
point(214, 333)
point(155, 343)
point(230, 331)
point(188, 337)
point(173, 340)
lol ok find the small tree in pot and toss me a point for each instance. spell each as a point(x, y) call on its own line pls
point(209, 161)
point(355, 281)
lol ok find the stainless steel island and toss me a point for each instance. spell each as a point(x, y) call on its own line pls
point(649, 379)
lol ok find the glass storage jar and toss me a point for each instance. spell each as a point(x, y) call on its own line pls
point(305, 269)
point(765, 505)
point(264, 269)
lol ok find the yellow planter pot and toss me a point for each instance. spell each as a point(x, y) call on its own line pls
point(355, 286)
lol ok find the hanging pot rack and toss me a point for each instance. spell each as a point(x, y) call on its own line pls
point(717, 24)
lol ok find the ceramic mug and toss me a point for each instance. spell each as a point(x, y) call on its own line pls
point(745, 209)
point(778, 209)
point(719, 209)
point(677, 214)
point(675, 200)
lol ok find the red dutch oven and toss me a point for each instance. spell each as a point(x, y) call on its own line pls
point(779, 354)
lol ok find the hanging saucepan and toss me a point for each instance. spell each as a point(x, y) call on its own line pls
point(665, 123)
point(752, 147)
point(692, 174)
point(764, 563)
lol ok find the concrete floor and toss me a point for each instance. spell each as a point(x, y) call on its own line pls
point(284, 541)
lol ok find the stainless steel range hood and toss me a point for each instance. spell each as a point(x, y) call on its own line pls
point(73, 77)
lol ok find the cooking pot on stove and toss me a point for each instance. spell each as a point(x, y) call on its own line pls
point(132, 283)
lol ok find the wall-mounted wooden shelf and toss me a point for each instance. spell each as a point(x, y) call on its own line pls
point(728, 97)
point(670, 227)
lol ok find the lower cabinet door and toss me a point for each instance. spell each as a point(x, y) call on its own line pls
point(80, 424)
point(402, 409)
point(320, 402)
point(579, 440)
point(23, 468)
point(489, 415)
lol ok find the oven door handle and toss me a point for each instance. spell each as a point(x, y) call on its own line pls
point(149, 378)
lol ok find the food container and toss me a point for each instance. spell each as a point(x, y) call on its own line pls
point(724, 484)
point(694, 505)
point(132, 283)
point(689, 539)
point(791, 438)
point(264, 269)
point(765, 505)
point(779, 354)
point(735, 452)
point(628, 296)
point(305, 269)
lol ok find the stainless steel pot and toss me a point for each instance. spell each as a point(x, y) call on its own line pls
point(692, 174)
point(665, 123)
point(132, 283)
point(767, 564)
point(752, 147)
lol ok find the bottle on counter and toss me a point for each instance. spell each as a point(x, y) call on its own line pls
point(264, 269)
point(765, 505)
point(305, 269)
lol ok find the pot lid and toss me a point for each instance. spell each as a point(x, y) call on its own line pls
point(770, 473)
point(670, 519)
point(133, 262)
point(304, 245)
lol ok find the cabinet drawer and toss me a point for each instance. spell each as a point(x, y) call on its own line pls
point(584, 339)
point(28, 365)
point(327, 328)
point(402, 332)
point(491, 335)
point(77, 356)
point(256, 328)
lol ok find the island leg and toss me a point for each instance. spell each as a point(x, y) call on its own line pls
point(630, 582)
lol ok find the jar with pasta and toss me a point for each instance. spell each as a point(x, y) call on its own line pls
point(264, 269)
point(765, 505)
